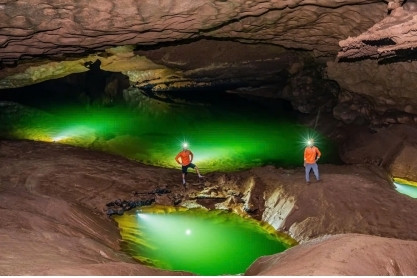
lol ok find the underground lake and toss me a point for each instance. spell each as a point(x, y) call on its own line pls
point(225, 132)
point(199, 241)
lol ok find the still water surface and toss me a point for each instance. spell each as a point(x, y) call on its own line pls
point(407, 189)
point(223, 135)
point(198, 241)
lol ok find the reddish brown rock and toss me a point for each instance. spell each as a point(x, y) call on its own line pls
point(342, 255)
point(391, 37)
point(53, 213)
point(393, 148)
point(43, 27)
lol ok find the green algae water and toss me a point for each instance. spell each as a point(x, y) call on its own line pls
point(196, 240)
point(406, 187)
point(223, 135)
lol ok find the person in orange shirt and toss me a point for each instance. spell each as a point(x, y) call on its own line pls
point(186, 156)
point(311, 156)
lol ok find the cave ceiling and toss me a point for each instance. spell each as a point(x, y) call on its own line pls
point(40, 30)
point(172, 43)
point(391, 39)
point(42, 27)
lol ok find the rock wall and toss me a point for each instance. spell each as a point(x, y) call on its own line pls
point(44, 27)
point(378, 93)
point(392, 148)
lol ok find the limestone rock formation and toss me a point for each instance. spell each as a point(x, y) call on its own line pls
point(342, 255)
point(352, 60)
point(393, 37)
point(42, 27)
point(34, 32)
point(392, 148)
point(180, 44)
point(54, 219)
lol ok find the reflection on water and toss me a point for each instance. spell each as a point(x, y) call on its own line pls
point(222, 135)
point(198, 241)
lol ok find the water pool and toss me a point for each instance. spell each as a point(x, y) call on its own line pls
point(406, 187)
point(196, 240)
point(228, 136)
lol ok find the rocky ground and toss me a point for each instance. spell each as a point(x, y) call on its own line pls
point(347, 254)
point(55, 202)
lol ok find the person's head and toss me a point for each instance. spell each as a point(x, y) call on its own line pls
point(310, 142)
point(185, 146)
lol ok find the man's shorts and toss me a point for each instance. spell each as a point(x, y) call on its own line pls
point(185, 168)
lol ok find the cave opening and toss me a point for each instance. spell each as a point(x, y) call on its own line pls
point(203, 242)
point(226, 131)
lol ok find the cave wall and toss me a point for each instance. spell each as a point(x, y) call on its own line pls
point(376, 93)
point(265, 49)
point(265, 46)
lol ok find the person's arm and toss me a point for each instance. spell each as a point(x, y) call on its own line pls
point(191, 156)
point(177, 158)
point(305, 151)
point(318, 154)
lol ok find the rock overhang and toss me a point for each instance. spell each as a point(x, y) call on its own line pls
point(46, 29)
point(190, 44)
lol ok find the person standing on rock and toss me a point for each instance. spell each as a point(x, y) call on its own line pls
point(311, 156)
point(186, 156)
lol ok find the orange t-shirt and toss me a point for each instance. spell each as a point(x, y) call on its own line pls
point(310, 154)
point(186, 157)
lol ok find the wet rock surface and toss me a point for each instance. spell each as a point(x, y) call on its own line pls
point(55, 200)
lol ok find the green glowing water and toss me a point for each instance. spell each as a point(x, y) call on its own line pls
point(197, 241)
point(406, 189)
point(222, 136)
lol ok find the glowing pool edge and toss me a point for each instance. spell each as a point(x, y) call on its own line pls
point(286, 239)
point(405, 182)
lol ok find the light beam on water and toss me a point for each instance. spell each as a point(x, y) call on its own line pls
point(198, 241)
point(222, 137)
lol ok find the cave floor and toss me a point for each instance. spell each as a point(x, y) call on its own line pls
point(54, 216)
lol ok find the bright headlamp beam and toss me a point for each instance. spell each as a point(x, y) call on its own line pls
point(142, 216)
